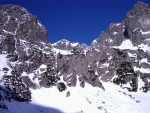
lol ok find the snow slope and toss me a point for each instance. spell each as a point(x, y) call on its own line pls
point(3, 64)
point(84, 100)
point(126, 44)
point(81, 100)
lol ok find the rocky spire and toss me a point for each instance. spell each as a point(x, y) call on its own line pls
point(137, 21)
point(138, 10)
point(18, 22)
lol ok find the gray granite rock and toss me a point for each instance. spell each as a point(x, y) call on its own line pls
point(24, 40)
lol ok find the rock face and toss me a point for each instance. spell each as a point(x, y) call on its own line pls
point(18, 23)
point(20, 34)
point(120, 55)
point(124, 49)
point(137, 22)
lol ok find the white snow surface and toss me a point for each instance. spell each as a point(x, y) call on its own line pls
point(64, 52)
point(115, 33)
point(3, 63)
point(104, 65)
point(132, 55)
point(144, 32)
point(144, 47)
point(84, 100)
point(118, 24)
point(62, 42)
point(142, 70)
point(126, 44)
point(74, 44)
point(66, 42)
point(94, 42)
point(144, 60)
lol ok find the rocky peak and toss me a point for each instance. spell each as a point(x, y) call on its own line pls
point(137, 23)
point(138, 9)
point(64, 44)
point(131, 37)
point(141, 6)
point(18, 22)
point(135, 26)
point(22, 38)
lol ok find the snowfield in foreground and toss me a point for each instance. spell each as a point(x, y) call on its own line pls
point(84, 100)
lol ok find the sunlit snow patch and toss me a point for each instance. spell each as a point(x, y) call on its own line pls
point(144, 32)
point(126, 44)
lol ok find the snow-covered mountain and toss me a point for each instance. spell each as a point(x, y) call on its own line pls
point(69, 46)
point(110, 76)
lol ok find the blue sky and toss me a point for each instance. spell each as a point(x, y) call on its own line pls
point(76, 20)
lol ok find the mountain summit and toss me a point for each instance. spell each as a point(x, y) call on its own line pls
point(16, 21)
point(111, 75)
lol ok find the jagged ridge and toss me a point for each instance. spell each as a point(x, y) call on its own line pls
point(120, 55)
